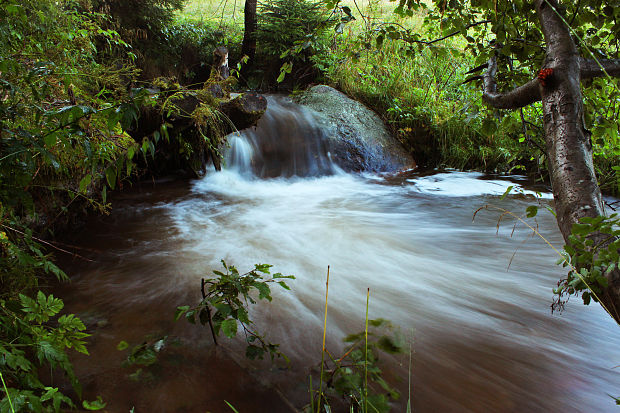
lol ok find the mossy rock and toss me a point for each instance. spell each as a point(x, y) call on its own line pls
point(358, 138)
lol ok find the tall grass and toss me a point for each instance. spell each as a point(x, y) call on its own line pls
point(422, 97)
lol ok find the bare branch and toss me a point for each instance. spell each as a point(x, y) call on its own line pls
point(429, 42)
point(478, 68)
point(590, 68)
point(515, 99)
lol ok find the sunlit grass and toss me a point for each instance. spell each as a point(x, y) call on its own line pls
point(214, 11)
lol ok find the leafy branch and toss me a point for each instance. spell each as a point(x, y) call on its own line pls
point(356, 375)
point(225, 301)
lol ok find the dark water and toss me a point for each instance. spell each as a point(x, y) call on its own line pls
point(481, 334)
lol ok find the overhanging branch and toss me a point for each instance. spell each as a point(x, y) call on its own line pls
point(430, 42)
point(590, 68)
point(517, 98)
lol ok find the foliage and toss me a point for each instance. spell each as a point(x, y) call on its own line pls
point(142, 356)
point(510, 29)
point(33, 336)
point(63, 118)
point(290, 31)
point(62, 115)
point(345, 377)
point(225, 302)
point(589, 258)
point(192, 127)
point(285, 23)
point(421, 96)
point(153, 15)
point(410, 66)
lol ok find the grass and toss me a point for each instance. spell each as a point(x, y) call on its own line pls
point(6, 390)
point(229, 12)
point(423, 100)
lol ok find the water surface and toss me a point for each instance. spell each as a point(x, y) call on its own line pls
point(473, 300)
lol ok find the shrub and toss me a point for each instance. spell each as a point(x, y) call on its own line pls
point(289, 32)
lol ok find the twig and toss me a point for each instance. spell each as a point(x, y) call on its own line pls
point(46, 243)
point(204, 297)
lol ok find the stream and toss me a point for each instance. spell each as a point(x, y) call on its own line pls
point(471, 299)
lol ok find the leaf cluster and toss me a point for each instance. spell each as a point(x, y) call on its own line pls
point(510, 29)
point(356, 377)
point(35, 336)
point(62, 115)
point(291, 31)
point(226, 301)
point(592, 253)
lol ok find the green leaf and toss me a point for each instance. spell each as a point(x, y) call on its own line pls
point(180, 311)
point(94, 405)
point(254, 352)
point(531, 211)
point(84, 182)
point(50, 140)
point(602, 281)
point(49, 394)
point(506, 192)
point(284, 285)
point(123, 345)
point(391, 345)
point(223, 309)
point(264, 268)
point(264, 292)
point(229, 327)
point(110, 175)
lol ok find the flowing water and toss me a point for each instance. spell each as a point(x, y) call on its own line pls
point(472, 300)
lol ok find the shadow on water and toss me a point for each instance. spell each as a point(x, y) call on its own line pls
point(482, 336)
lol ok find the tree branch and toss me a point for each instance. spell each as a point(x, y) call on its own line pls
point(429, 42)
point(517, 98)
point(590, 68)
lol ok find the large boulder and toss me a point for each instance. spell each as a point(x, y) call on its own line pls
point(357, 137)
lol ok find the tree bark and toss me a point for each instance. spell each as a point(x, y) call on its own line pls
point(220, 63)
point(575, 188)
point(248, 47)
point(604, 67)
point(515, 99)
point(569, 148)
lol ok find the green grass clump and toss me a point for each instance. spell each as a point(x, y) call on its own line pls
point(422, 97)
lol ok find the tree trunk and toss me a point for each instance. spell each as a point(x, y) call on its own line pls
point(569, 148)
point(248, 47)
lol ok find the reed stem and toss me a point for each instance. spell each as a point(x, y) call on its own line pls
point(8, 396)
point(366, 354)
point(318, 408)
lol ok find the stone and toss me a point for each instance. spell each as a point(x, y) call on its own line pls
point(357, 137)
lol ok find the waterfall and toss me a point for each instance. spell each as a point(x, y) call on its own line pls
point(286, 142)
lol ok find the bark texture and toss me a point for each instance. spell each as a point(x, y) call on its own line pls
point(517, 98)
point(220, 63)
point(590, 68)
point(248, 47)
